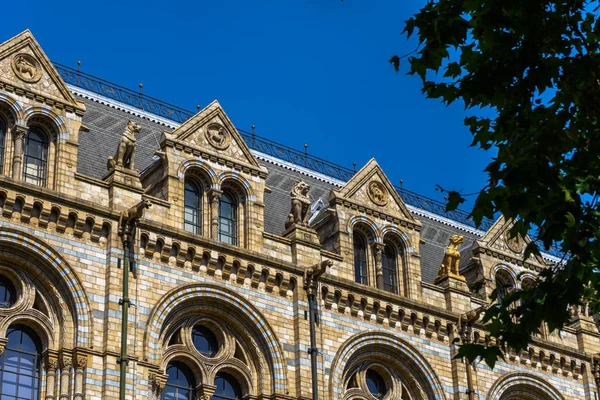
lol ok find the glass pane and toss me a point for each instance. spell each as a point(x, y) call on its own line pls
point(27, 365)
point(227, 387)
point(25, 387)
point(204, 340)
point(11, 361)
point(375, 384)
point(9, 384)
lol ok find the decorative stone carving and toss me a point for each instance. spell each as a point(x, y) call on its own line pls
point(52, 364)
point(82, 362)
point(126, 151)
point(377, 193)
point(300, 211)
point(130, 218)
point(157, 381)
point(26, 67)
point(451, 260)
point(515, 244)
point(217, 136)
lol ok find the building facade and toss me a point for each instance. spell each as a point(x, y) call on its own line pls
point(236, 227)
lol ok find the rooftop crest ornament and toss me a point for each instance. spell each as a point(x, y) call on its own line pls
point(217, 136)
point(300, 211)
point(126, 150)
point(451, 261)
point(377, 193)
point(26, 67)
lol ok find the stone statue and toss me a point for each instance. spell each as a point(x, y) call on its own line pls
point(126, 150)
point(300, 211)
point(451, 261)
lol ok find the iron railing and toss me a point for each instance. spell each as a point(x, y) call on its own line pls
point(177, 114)
point(123, 94)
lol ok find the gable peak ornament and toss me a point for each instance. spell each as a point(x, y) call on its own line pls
point(26, 67)
point(377, 193)
point(217, 136)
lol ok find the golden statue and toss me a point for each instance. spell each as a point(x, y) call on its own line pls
point(451, 261)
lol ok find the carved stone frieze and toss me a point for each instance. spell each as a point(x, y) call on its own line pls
point(377, 193)
point(26, 67)
point(217, 136)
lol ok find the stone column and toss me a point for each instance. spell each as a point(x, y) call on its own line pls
point(79, 375)
point(19, 132)
point(215, 196)
point(378, 252)
point(51, 367)
point(65, 377)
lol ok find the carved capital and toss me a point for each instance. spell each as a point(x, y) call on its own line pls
point(19, 131)
point(66, 362)
point(205, 392)
point(215, 195)
point(82, 361)
point(51, 364)
point(157, 381)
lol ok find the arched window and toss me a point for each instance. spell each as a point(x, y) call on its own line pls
point(180, 383)
point(2, 140)
point(20, 364)
point(228, 218)
point(205, 341)
point(375, 384)
point(193, 207)
point(7, 293)
point(227, 387)
point(35, 157)
point(390, 271)
point(360, 259)
point(504, 284)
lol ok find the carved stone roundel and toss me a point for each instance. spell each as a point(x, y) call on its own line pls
point(217, 136)
point(377, 193)
point(515, 244)
point(26, 67)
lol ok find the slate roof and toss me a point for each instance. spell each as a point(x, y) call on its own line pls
point(106, 124)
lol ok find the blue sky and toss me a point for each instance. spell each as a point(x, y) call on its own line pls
point(307, 71)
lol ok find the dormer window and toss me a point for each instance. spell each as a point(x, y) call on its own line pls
point(390, 268)
point(35, 156)
point(360, 259)
point(193, 206)
point(228, 209)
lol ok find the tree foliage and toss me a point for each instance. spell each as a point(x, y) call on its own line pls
point(535, 66)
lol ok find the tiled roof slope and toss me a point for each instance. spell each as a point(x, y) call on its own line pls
point(106, 124)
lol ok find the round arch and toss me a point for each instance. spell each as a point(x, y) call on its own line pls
point(17, 243)
point(203, 167)
point(505, 269)
point(392, 345)
point(396, 234)
point(369, 223)
point(533, 386)
point(225, 176)
point(42, 111)
point(202, 294)
point(14, 107)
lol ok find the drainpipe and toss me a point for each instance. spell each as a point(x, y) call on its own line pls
point(465, 326)
point(127, 225)
point(311, 276)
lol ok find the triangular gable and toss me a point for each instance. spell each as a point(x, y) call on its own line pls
point(24, 65)
point(203, 130)
point(372, 188)
point(498, 238)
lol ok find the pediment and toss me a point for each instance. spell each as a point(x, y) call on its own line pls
point(24, 65)
point(371, 188)
point(212, 131)
point(498, 238)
